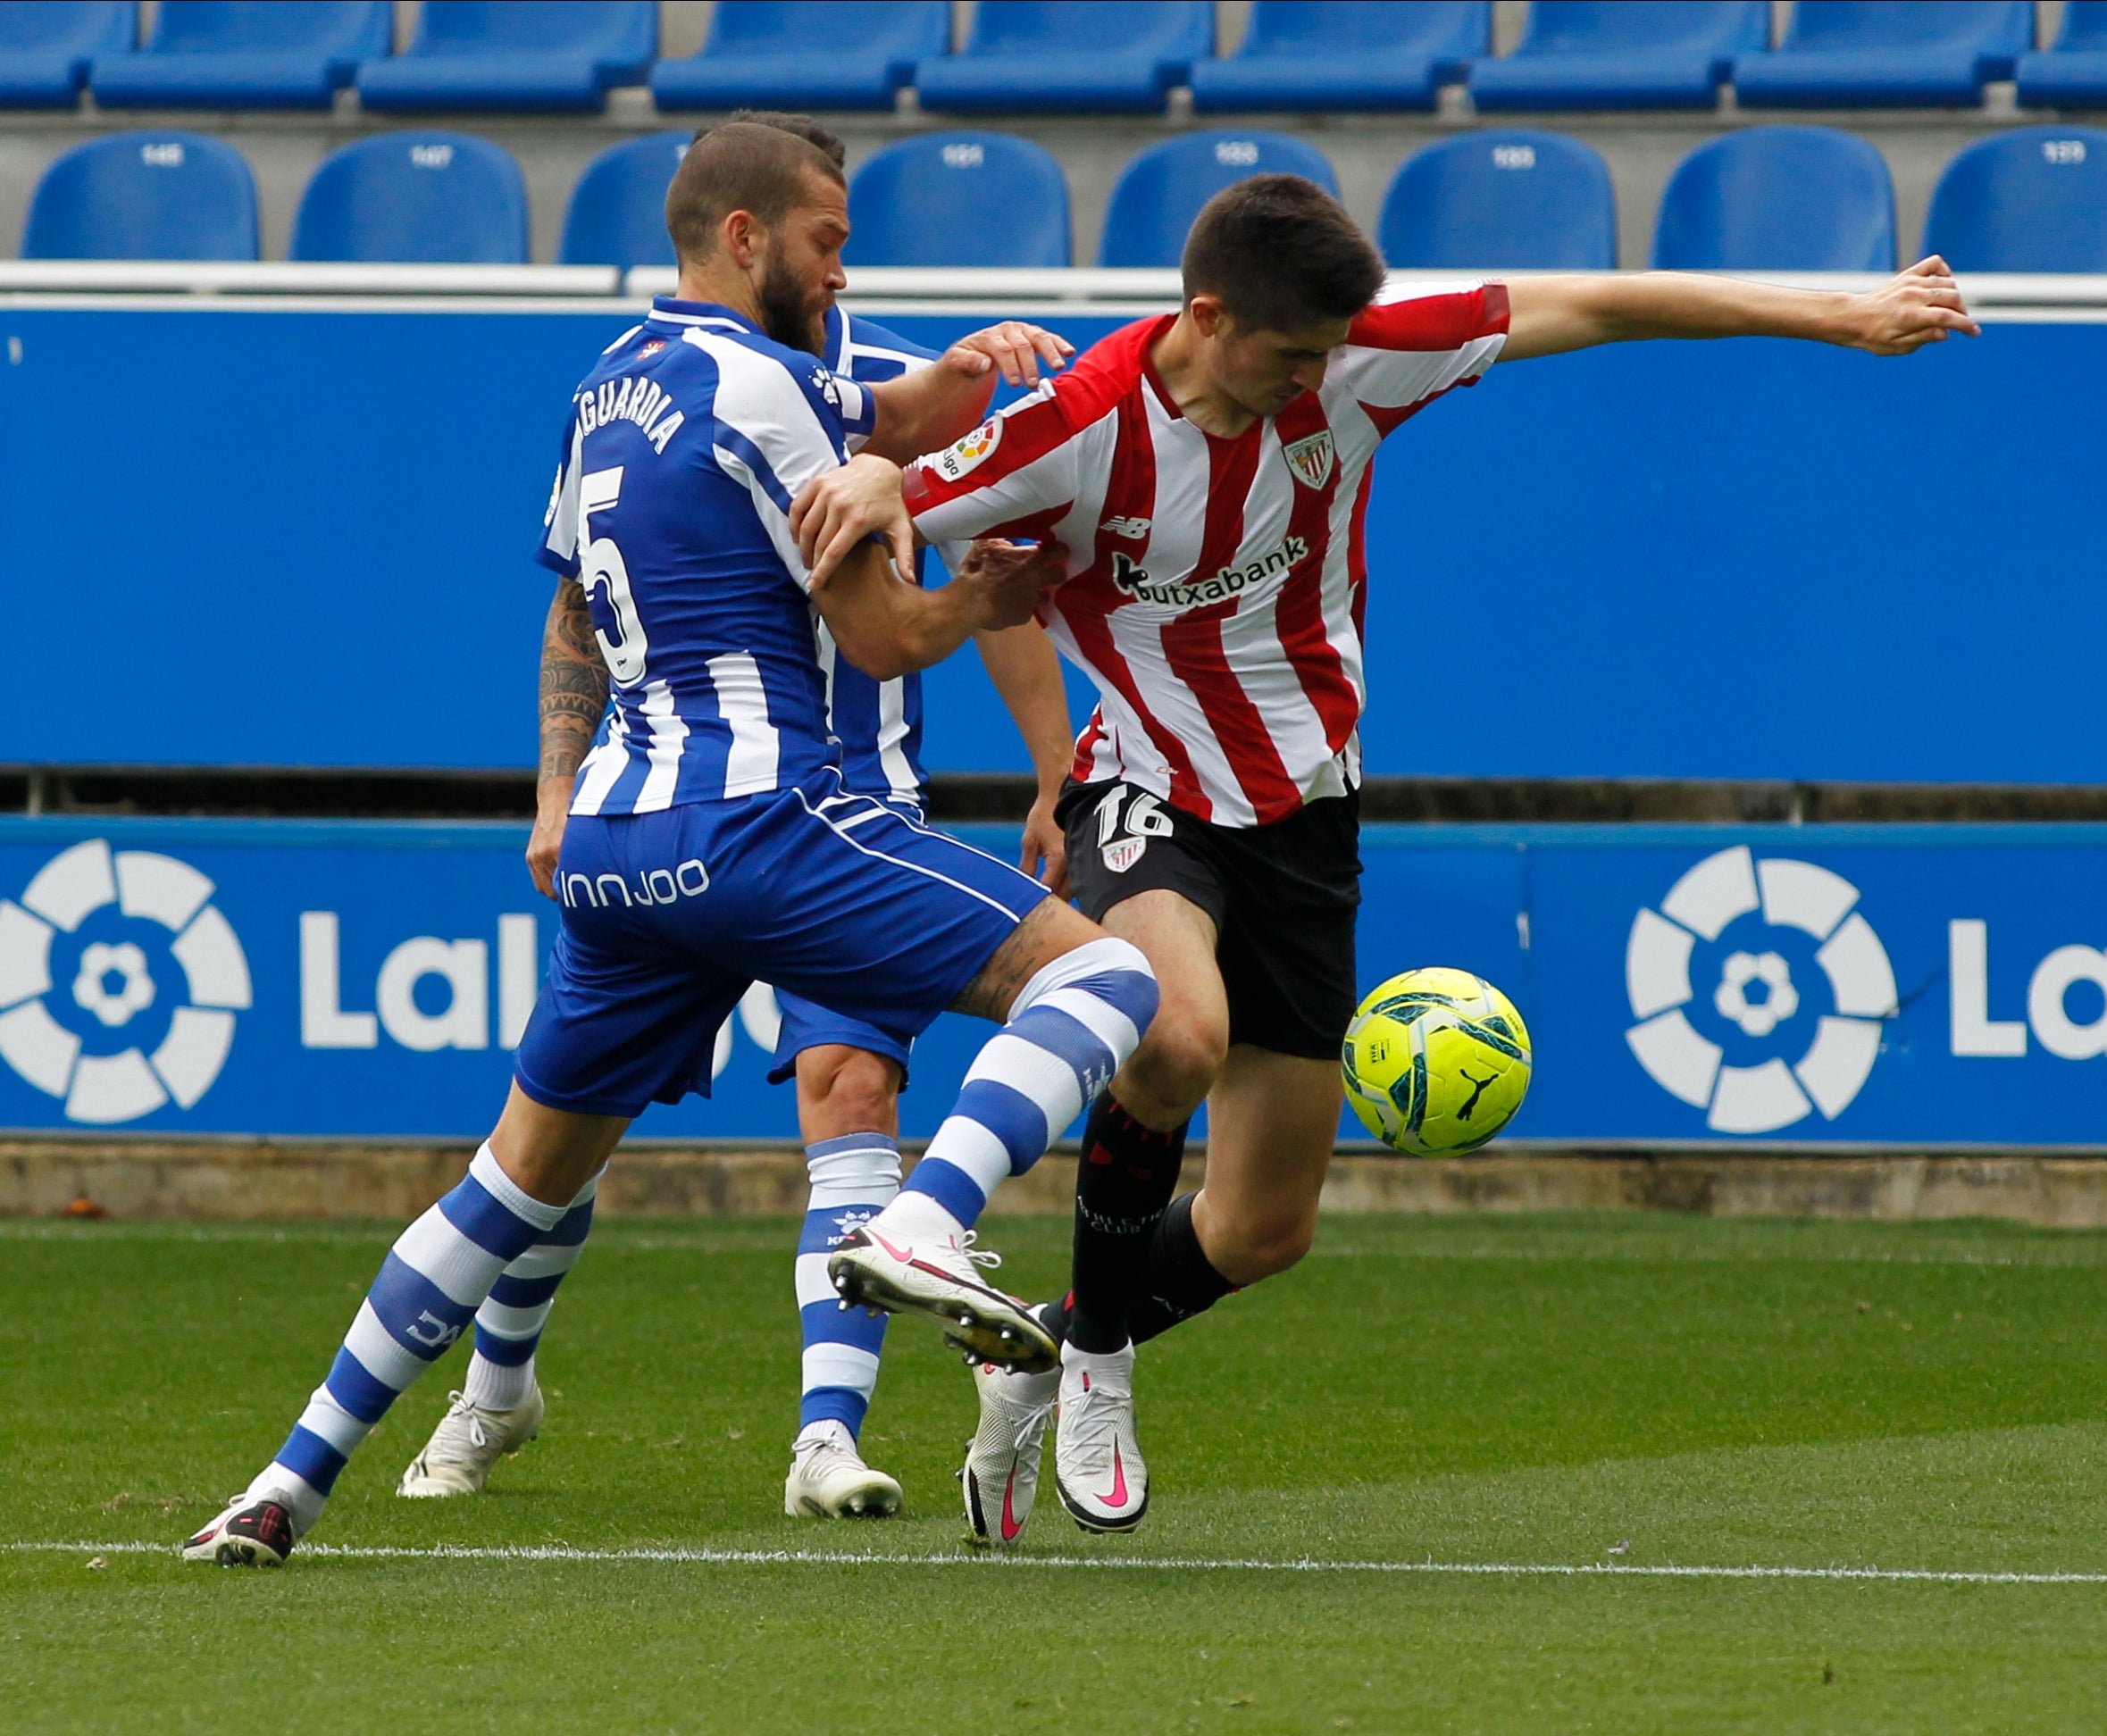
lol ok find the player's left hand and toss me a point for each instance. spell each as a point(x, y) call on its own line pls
point(1016, 349)
point(1008, 580)
point(1922, 305)
point(833, 512)
point(1045, 854)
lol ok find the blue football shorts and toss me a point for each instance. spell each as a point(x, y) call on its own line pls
point(806, 1025)
point(668, 917)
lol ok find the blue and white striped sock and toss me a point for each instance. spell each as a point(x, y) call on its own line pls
point(434, 1279)
point(509, 1324)
point(1072, 1029)
point(854, 1178)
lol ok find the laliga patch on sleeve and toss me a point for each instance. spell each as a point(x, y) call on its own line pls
point(956, 462)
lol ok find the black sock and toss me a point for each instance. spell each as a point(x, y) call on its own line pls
point(1181, 1281)
point(1126, 1178)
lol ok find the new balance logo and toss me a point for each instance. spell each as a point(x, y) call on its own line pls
point(1134, 527)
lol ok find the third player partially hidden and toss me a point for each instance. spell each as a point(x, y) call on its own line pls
point(1202, 477)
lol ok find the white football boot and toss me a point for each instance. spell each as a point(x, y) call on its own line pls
point(1099, 1472)
point(1000, 1476)
point(829, 1480)
point(942, 1279)
point(251, 1530)
point(468, 1441)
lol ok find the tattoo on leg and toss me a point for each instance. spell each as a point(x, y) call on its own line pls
point(1016, 960)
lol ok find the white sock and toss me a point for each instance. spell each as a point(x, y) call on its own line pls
point(302, 1500)
point(493, 1386)
point(916, 1217)
point(815, 1434)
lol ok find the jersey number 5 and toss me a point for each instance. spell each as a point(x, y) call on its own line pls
point(602, 567)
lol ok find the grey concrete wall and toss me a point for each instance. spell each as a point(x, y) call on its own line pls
point(318, 1179)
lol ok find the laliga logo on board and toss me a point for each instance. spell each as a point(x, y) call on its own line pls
point(122, 929)
point(1802, 910)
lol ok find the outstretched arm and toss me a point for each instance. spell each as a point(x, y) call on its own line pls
point(928, 409)
point(1026, 671)
point(1550, 315)
point(573, 695)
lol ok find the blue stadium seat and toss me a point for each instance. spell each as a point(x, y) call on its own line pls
point(960, 198)
point(416, 197)
point(246, 54)
point(45, 46)
point(2074, 73)
point(1314, 55)
point(543, 55)
point(1069, 57)
point(759, 54)
point(1859, 53)
point(2034, 199)
point(1160, 192)
point(1501, 200)
point(145, 195)
point(1621, 54)
point(1779, 199)
point(617, 210)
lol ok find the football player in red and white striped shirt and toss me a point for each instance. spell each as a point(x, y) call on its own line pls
point(1199, 480)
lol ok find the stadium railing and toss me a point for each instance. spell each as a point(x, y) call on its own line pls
point(939, 288)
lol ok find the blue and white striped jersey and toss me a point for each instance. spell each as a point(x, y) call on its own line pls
point(685, 447)
point(879, 723)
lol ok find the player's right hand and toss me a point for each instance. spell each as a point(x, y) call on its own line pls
point(545, 844)
point(833, 512)
point(1921, 305)
point(1009, 581)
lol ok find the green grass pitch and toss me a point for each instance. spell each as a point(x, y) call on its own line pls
point(1431, 1394)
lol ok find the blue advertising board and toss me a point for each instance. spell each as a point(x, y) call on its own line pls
point(1903, 985)
point(303, 537)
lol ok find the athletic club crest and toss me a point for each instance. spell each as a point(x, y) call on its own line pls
point(1122, 853)
point(1311, 459)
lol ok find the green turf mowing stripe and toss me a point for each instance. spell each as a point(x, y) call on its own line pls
point(1160, 1564)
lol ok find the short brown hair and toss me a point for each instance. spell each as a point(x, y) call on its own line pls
point(798, 126)
point(739, 167)
point(1280, 252)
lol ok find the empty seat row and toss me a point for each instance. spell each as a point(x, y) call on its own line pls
point(1046, 55)
point(545, 56)
point(1766, 198)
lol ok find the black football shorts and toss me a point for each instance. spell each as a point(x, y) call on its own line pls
point(1282, 897)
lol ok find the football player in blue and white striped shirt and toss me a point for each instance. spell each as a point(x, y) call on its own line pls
point(711, 842)
point(849, 1072)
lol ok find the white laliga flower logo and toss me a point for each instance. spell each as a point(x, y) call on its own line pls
point(114, 983)
point(135, 990)
point(1681, 1060)
point(1780, 1001)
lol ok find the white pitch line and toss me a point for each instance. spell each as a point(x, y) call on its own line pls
point(1160, 1563)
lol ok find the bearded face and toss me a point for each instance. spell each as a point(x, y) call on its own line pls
point(794, 306)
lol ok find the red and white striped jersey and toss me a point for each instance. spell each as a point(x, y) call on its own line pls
point(1215, 588)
